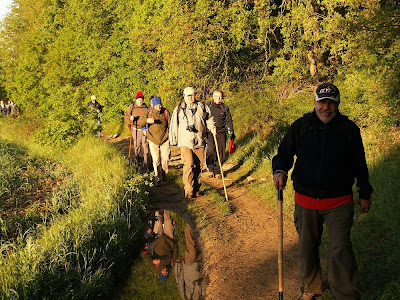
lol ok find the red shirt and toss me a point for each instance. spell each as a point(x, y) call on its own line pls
point(321, 204)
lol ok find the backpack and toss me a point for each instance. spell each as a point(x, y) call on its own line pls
point(202, 105)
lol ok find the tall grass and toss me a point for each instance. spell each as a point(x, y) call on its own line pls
point(26, 186)
point(86, 246)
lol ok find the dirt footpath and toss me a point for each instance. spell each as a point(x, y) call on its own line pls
point(240, 259)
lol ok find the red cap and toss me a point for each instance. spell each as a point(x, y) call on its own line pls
point(139, 95)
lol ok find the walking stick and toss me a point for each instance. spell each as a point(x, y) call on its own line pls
point(220, 167)
point(280, 242)
point(130, 141)
point(136, 147)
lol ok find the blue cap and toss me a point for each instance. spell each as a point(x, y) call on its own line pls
point(156, 100)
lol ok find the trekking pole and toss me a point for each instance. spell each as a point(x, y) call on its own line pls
point(130, 141)
point(136, 147)
point(220, 167)
point(280, 242)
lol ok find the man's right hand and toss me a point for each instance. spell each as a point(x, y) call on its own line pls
point(213, 131)
point(280, 180)
point(131, 118)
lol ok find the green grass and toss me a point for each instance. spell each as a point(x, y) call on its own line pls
point(32, 191)
point(91, 238)
point(218, 201)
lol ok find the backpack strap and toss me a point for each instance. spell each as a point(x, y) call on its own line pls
point(305, 126)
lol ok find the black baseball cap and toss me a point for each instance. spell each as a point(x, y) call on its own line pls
point(327, 91)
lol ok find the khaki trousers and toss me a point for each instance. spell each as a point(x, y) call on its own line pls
point(140, 145)
point(192, 254)
point(168, 228)
point(160, 155)
point(193, 160)
point(342, 273)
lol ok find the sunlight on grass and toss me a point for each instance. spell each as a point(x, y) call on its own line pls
point(92, 227)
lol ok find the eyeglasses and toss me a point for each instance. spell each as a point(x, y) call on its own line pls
point(191, 95)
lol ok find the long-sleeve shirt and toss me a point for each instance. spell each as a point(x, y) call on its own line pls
point(197, 116)
point(137, 111)
point(158, 132)
point(329, 157)
point(222, 117)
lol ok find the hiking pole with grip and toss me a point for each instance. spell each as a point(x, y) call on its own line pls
point(220, 166)
point(280, 242)
point(130, 141)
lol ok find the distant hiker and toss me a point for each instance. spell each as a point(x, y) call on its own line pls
point(330, 155)
point(188, 273)
point(223, 122)
point(13, 109)
point(3, 108)
point(97, 108)
point(93, 104)
point(188, 129)
point(136, 114)
point(157, 136)
point(164, 248)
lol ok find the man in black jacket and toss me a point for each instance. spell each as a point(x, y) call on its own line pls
point(97, 109)
point(223, 122)
point(330, 155)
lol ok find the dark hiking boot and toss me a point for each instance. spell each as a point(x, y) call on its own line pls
point(190, 196)
point(163, 176)
point(200, 193)
point(308, 296)
point(157, 181)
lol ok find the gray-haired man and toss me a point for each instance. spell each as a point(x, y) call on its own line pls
point(330, 155)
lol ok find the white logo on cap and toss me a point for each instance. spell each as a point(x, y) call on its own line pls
point(326, 90)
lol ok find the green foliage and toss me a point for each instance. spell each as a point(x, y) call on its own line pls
point(83, 241)
point(56, 54)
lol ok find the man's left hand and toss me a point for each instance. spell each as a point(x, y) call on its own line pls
point(213, 131)
point(365, 205)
